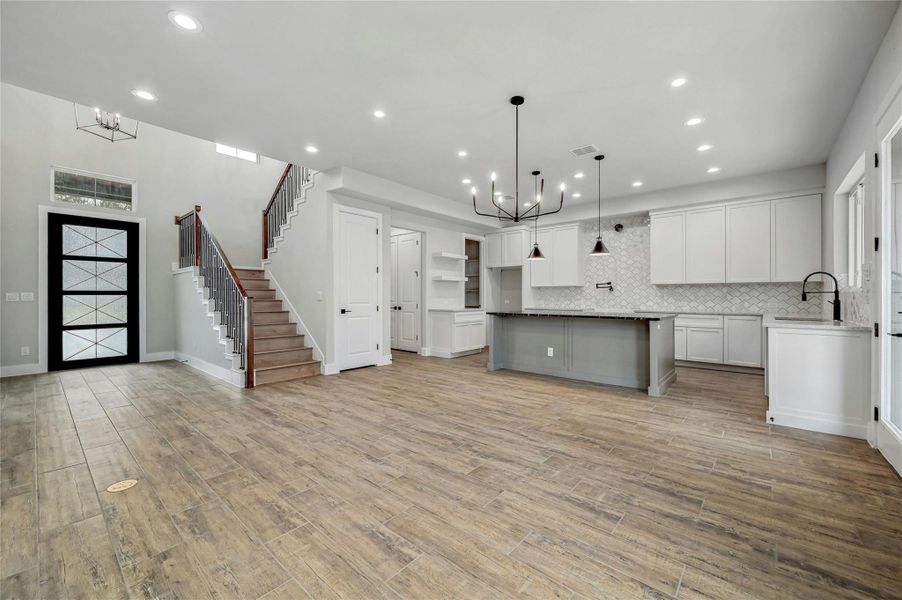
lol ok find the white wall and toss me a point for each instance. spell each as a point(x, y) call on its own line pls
point(195, 338)
point(858, 136)
point(173, 173)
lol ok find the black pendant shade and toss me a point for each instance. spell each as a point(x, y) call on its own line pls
point(599, 249)
point(536, 254)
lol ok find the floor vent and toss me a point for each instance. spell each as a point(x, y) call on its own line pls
point(583, 150)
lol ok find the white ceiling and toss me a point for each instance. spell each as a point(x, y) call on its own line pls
point(773, 80)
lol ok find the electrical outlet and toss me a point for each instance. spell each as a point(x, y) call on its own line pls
point(319, 296)
point(12, 296)
point(27, 296)
point(550, 351)
point(26, 350)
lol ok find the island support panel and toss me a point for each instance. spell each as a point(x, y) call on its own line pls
point(627, 353)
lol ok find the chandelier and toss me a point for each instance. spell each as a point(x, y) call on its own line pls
point(532, 210)
point(106, 125)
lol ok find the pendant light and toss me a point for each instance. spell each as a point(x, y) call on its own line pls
point(535, 253)
point(599, 249)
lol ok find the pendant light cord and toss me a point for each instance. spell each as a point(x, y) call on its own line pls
point(599, 198)
point(517, 161)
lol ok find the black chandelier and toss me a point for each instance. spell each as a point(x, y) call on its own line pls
point(533, 211)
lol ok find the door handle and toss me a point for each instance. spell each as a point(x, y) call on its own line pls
point(344, 311)
point(894, 334)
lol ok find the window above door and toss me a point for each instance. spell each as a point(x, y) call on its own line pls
point(83, 188)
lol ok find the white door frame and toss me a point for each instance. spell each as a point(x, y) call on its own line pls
point(43, 210)
point(888, 435)
point(382, 356)
point(422, 278)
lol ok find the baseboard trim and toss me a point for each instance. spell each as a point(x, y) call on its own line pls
point(18, 370)
point(448, 354)
point(384, 360)
point(719, 367)
point(819, 424)
point(157, 356)
point(231, 376)
point(330, 369)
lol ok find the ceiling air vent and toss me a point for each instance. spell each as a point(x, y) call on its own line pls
point(583, 150)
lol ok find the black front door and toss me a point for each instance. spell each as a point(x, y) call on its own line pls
point(92, 292)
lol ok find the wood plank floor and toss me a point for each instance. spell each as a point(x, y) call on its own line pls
point(428, 479)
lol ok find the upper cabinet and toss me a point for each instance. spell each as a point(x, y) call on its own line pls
point(564, 259)
point(796, 237)
point(506, 248)
point(738, 242)
point(668, 248)
point(706, 245)
point(748, 242)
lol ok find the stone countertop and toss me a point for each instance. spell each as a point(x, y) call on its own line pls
point(805, 322)
point(456, 309)
point(727, 313)
point(583, 314)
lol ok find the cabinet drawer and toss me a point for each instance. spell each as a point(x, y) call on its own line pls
point(469, 317)
point(709, 321)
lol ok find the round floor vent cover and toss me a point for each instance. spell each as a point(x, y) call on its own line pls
point(121, 486)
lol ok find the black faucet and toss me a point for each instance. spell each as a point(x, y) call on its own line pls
point(836, 304)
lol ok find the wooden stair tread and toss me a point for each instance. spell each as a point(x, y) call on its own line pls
point(299, 348)
point(277, 337)
point(289, 365)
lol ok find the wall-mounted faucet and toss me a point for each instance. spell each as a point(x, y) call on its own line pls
point(836, 304)
point(607, 285)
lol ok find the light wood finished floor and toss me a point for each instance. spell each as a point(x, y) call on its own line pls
point(431, 479)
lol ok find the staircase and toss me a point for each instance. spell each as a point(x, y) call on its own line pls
point(278, 349)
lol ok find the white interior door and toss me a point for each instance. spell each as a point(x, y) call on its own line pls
point(358, 255)
point(406, 315)
point(889, 427)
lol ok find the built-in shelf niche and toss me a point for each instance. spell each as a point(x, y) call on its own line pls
point(473, 270)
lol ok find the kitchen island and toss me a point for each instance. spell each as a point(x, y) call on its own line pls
point(626, 349)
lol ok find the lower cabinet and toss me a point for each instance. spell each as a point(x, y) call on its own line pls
point(679, 343)
point(704, 344)
point(457, 333)
point(742, 341)
point(719, 339)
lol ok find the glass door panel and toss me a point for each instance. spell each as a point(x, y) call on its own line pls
point(92, 291)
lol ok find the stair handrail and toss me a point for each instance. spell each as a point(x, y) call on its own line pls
point(281, 203)
point(199, 248)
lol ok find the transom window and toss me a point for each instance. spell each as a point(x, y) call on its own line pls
point(92, 189)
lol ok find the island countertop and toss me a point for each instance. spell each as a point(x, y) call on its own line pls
point(583, 314)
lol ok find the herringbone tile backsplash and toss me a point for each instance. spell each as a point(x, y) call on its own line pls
point(628, 268)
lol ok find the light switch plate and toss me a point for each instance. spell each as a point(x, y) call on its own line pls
point(12, 296)
point(27, 297)
point(550, 351)
point(26, 350)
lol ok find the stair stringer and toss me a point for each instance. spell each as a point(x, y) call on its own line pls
point(237, 375)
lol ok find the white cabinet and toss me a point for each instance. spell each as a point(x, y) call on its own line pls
point(679, 343)
point(706, 245)
point(704, 344)
point(748, 242)
point(513, 252)
point(541, 273)
point(455, 333)
point(506, 248)
point(564, 262)
point(742, 341)
point(668, 248)
point(738, 242)
point(493, 243)
point(795, 237)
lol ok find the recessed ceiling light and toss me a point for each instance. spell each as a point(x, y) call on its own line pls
point(312, 149)
point(576, 195)
point(185, 21)
point(713, 169)
point(579, 175)
point(694, 121)
point(499, 193)
point(527, 204)
point(379, 114)
point(465, 181)
point(637, 184)
point(461, 153)
point(143, 95)
point(679, 82)
point(704, 147)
